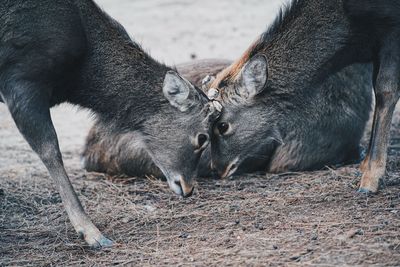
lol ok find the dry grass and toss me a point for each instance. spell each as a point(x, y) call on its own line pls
point(296, 218)
point(307, 218)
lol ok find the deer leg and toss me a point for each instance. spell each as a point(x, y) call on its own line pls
point(29, 107)
point(386, 95)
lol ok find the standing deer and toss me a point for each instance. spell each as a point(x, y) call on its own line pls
point(311, 142)
point(55, 51)
point(307, 43)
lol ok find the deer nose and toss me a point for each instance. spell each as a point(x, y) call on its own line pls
point(186, 188)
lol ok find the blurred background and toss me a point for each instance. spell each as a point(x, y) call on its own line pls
point(178, 31)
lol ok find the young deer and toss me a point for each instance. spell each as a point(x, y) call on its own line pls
point(309, 142)
point(115, 153)
point(308, 42)
point(55, 51)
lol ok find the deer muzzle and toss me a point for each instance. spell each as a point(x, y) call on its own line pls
point(181, 186)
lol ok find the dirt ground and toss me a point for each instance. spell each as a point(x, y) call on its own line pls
point(303, 219)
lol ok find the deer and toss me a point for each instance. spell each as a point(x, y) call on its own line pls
point(309, 41)
point(313, 143)
point(115, 154)
point(55, 51)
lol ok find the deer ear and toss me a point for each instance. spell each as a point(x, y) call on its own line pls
point(253, 77)
point(178, 91)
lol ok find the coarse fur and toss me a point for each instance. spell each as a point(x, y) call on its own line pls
point(117, 153)
point(273, 80)
point(55, 51)
point(315, 135)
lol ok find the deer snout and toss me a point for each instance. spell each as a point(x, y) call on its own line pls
point(186, 188)
point(182, 187)
point(226, 170)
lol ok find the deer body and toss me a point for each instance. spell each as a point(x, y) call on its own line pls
point(55, 51)
point(308, 42)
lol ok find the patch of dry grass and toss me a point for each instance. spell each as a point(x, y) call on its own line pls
point(311, 218)
point(304, 219)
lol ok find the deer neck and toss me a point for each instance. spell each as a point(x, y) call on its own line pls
point(117, 80)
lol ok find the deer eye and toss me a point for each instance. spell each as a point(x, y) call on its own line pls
point(222, 127)
point(201, 140)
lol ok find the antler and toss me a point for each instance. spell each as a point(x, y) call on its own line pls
point(214, 107)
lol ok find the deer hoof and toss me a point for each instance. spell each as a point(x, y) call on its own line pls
point(95, 239)
point(105, 242)
point(366, 191)
point(99, 242)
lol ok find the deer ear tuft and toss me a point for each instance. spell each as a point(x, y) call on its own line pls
point(253, 77)
point(178, 91)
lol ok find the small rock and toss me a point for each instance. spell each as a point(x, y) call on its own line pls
point(295, 258)
point(125, 220)
point(354, 232)
point(150, 208)
point(274, 246)
point(184, 235)
point(259, 226)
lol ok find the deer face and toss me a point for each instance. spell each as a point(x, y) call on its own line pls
point(246, 128)
point(176, 137)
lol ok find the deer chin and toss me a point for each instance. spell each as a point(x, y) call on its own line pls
point(231, 168)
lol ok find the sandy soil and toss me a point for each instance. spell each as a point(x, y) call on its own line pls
point(290, 219)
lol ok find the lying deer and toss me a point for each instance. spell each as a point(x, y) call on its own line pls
point(310, 142)
point(55, 51)
point(308, 42)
